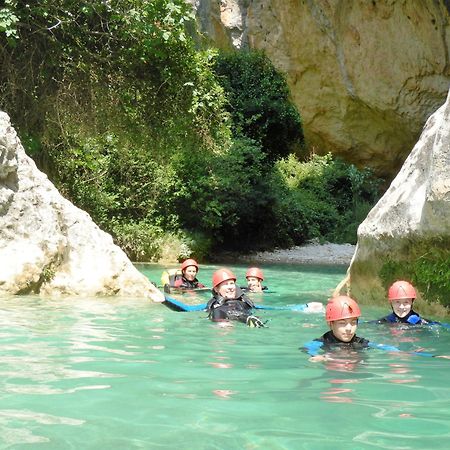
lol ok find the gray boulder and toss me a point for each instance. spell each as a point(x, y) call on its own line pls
point(47, 245)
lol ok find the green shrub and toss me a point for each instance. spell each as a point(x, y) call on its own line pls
point(259, 102)
point(141, 241)
point(334, 196)
point(115, 103)
point(427, 267)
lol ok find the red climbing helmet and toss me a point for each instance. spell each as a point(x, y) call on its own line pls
point(254, 272)
point(221, 275)
point(341, 307)
point(401, 289)
point(189, 262)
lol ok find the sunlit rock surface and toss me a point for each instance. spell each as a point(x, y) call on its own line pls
point(365, 75)
point(412, 220)
point(47, 245)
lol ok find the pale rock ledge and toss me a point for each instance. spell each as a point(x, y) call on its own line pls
point(411, 222)
point(47, 245)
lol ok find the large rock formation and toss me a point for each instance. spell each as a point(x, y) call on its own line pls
point(364, 75)
point(407, 234)
point(47, 245)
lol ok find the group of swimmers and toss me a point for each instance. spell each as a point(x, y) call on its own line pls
point(229, 302)
point(186, 278)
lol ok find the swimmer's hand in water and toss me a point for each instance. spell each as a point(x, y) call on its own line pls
point(254, 322)
point(314, 307)
point(318, 358)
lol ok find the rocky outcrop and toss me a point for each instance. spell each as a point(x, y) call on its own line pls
point(364, 75)
point(47, 245)
point(407, 234)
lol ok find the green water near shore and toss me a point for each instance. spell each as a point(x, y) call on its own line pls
point(130, 374)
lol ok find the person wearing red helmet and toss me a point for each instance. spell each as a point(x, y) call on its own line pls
point(342, 314)
point(188, 279)
point(229, 301)
point(254, 277)
point(401, 296)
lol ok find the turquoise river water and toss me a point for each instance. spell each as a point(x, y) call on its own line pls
point(130, 374)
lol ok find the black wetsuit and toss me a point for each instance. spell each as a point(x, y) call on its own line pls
point(329, 341)
point(412, 319)
point(238, 308)
point(183, 283)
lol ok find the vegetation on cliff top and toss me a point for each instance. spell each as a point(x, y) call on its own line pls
point(164, 144)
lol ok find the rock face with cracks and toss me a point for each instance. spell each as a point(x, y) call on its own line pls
point(407, 233)
point(47, 245)
point(365, 75)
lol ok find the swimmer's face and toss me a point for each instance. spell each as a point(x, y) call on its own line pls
point(402, 306)
point(227, 289)
point(344, 329)
point(254, 284)
point(190, 273)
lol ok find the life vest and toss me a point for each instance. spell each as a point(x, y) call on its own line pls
point(238, 308)
point(168, 278)
point(174, 279)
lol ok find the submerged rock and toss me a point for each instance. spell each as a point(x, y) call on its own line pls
point(47, 245)
point(407, 234)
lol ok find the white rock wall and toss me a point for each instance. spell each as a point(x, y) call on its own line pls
point(47, 245)
point(413, 217)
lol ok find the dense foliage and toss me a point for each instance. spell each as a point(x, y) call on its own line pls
point(259, 102)
point(168, 148)
point(427, 268)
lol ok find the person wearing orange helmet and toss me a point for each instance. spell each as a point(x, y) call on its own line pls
point(401, 296)
point(254, 277)
point(229, 301)
point(342, 314)
point(188, 279)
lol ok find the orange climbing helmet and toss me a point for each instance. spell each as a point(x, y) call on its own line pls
point(341, 307)
point(189, 262)
point(400, 290)
point(221, 275)
point(255, 272)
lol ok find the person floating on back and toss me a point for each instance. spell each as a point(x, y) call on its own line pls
point(254, 277)
point(342, 314)
point(229, 301)
point(401, 296)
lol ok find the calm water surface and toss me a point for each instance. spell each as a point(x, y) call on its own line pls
point(129, 374)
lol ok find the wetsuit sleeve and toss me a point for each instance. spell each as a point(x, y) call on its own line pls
point(313, 347)
point(210, 304)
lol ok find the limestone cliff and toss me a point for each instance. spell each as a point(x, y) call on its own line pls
point(47, 245)
point(365, 75)
point(407, 234)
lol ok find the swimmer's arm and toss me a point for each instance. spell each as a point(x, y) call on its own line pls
point(312, 348)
